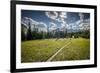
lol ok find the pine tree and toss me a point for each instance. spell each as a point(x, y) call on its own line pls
point(29, 34)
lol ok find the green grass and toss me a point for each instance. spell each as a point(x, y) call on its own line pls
point(41, 50)
point(79, 49)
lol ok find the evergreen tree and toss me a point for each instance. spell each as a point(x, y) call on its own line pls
point(29, 34)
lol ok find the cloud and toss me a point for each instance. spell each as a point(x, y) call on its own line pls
point(87, 20)
point(78, 22)
point(80, 25)
point(64, 25)
point(57, 16)
point(52, 15)
point(53, 26)
point(63, 14)
point(83, 25)
point(62, 17)
point(26, 21)
point(33, 22)
point(43, 24)
point(86, 24)
point(81, 16)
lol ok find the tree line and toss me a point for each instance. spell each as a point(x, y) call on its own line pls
point(32, 35)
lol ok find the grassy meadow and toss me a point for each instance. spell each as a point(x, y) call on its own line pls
point(42, 50)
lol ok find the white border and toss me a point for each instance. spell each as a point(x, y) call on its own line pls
point(20, 65)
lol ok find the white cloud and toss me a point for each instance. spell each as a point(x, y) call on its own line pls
point(58, 20)
point(52, 14)
point(63, 14)
point(53, 26)
point(78, 22)
point(80, 25)
point(63, 25)
point(43, 24)
point(56, 16)
point(59, 17)
point(33, 23)
point(81, 16)
point(83, 25)
point(26, 21)
point(62, 17)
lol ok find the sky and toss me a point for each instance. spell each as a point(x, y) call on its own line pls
point(54, 19)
